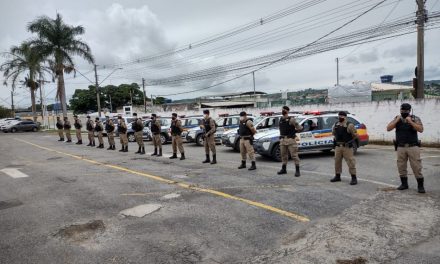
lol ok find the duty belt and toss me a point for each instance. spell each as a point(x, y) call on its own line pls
point(245, 137)
point(343, 144)
point(407, 145)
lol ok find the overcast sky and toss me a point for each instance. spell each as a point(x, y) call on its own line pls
point(122, 31)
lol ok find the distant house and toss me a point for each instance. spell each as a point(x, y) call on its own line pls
point(390, 91)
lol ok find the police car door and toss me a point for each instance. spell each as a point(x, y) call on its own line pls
point(307, 139)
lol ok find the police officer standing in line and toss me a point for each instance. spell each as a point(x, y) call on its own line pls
point(138, 127)
point(99, 128)
point(209, 128)
point(122, 129)
point(246, 132)
point(155, 130)
point(110, 128)
point(344, 134)
point(77, 124)
point(408, 147)
point(176, 133)
point(90, 128)
point(67, 128)
point(288, 129)
point(60, 127)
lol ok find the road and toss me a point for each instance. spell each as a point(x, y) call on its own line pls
point(65, 204)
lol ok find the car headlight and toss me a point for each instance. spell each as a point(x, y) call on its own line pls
point(266, 145)
point(232, 139)
point(192, 134)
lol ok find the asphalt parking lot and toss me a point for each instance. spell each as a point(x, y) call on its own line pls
point(65, 207)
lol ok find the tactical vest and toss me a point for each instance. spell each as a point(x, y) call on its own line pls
point(286, 129)
point(207, 124)
point(98, 128)
point(405, 133)
point(89, 126)
point(77, 125)
point(155, 128)
point(67, 125)
point(244, 130)
point(137, 127)
point(341, 133)
point(174, 129)
point(109, 128)
point(59, 125)
point(122, 129)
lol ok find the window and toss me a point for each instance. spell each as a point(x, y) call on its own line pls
point(327, 122)
point(352, 120)
point(193, 122)
point(234, 121)
point(310, 124)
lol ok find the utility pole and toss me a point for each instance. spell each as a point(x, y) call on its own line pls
point(110, 99)
point(98, 99)
point(152, 104)
point(12, 103)
point(337, 71)
point(255, 95)
point(421, 17)
point(145, 100)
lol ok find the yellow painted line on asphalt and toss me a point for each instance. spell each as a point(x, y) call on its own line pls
point(181, 184)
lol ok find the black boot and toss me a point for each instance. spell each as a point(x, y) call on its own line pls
point(160, 153)
point(139, 151)
point(354, 180)
point(122, 149)
point(61, 139)
point(337, 178)
point(182, 157)
point(68, 141)
point(243, 164)
point(297, 173)
point(93, 143)
point(110, 147)
point(88, 145)
point(155, 152)
point(404, 184)
point(114, 147)
point(174, 156)
point(283, 170)
point(207, 160)
point(214, 159)
point(253, 167)
point(420, 187)
point(126, 149)
point(79, 142)
point(143, 151)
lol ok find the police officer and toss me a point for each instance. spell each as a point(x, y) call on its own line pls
point(344, 134)
point(90, 126)
point(67, 128)
point(60, 127)
point(77, 124)
point(288, 129)
point(138, 127)
point(408, 147)
point(155, 130)
point(122, 129)
point(209, 128)
point(110, 128)
point(246, 132)
point(99, 128)
point(176, 133)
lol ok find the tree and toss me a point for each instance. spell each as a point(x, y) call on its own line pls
point(24, 61)
point(59, 42)
point(84, 100)
point(4, 112)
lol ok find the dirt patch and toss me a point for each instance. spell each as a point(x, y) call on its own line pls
point(387, 189)
point(9, 204)
point(359, 260)
point(81, 232)
point(55, 158)
point(65, 179)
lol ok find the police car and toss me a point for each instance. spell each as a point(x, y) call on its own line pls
point(316, 134)
point(265, 122)
point(190, 122)
point(225, 122)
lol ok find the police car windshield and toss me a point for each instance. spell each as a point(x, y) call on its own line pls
point(220, 121)
point(258, 119)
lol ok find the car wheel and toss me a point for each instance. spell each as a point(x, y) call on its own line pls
point(199, 140)
point(276, 153)
point(34, 129)
point(237, 146)
point(163, 139)
point(355, 147)
point(131, 137)
point(13, 130)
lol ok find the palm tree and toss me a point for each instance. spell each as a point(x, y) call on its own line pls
point(24, 61)
point(59, 42)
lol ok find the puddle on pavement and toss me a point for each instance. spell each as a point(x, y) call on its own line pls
point(359, 260)
point(81, 232)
